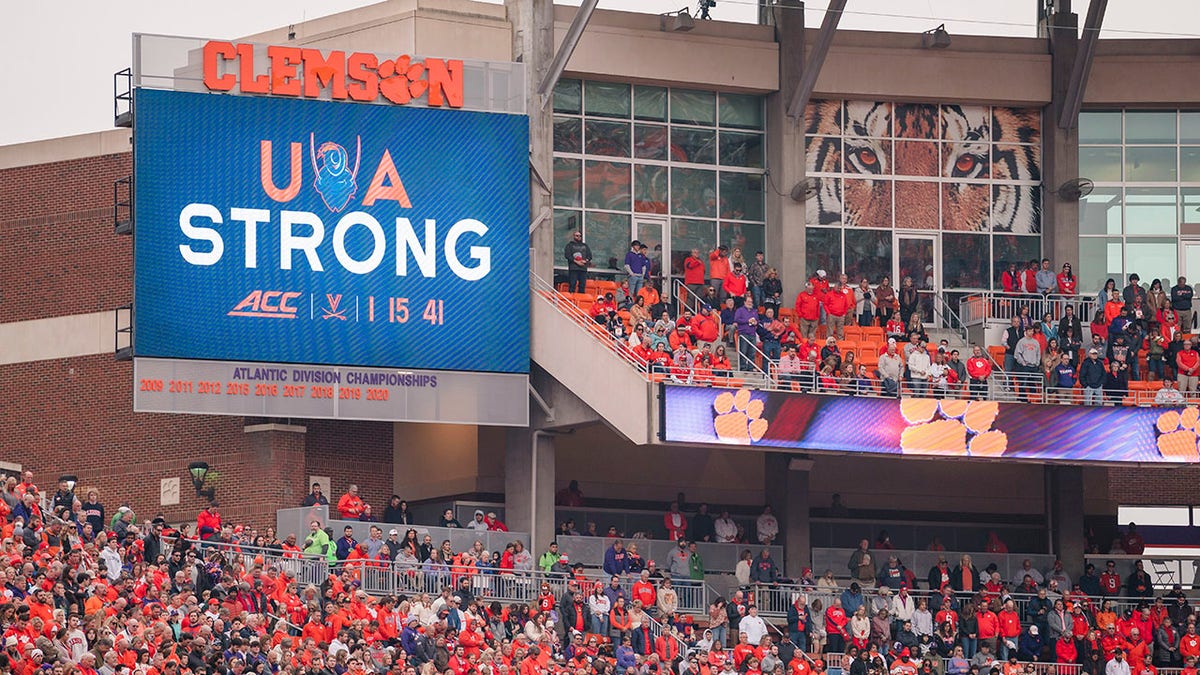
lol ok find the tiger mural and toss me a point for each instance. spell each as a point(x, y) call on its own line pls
point(974, 146)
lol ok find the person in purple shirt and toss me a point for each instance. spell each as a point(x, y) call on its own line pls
point(746, 319)
point(637, 266)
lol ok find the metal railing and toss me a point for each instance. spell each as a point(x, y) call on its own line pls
point(979, 308)
point(717, 557)
point(1164, 570)
point(759, 361)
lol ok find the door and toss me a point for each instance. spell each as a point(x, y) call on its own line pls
point(916, 256)
point(1189, 266)
point(652, 231)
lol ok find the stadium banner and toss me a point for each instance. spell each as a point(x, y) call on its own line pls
point(329, 392)
point(286, 231)
point(929, 427)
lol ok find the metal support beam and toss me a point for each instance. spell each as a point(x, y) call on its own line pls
point(1068, 117)
point(815, 59)
point(566, 49)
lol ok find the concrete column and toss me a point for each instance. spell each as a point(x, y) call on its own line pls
point(1060, 150)
point(786, 488)
point(529, 486)
point(785, 155)
point(1065, 500)
point(533, 44)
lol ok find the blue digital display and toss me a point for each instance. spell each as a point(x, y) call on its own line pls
point(290, 231)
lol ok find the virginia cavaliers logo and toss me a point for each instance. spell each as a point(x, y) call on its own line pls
point(336, 182)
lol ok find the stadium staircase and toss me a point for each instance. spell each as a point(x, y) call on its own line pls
point(604, 374)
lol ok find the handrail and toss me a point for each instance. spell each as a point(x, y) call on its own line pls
point(940, 306)
point(569, 309)
point(1000, 306)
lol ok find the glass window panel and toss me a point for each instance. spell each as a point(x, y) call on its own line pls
point(566, 223)
point(824, 207)
point(823, 117)
point(741, 149)
point(1017, 208)
point(650, 103)
point(650, 141)
point(1150, 127)
point(741, 111)
point(741, 196)
point(1008, 160)
point(1151, 211)
point(610, 139)
point(1189, 127)
point(606, 99)
point(916, 120)
point(568, 136)
point(1100, 127)
point(1190, 206)
point(822, 251)
point(694, 107)
point(1099, 261)
point(568, 95)
point(918, 205)
point(748, 237)
point(568, 181)
point(868, 202)
point(1189, 165)
point(1149, 164)
point(1100, 212)
point(965, 261)
point(823, 154)
point(698, 146)
point(1152, 258)
point(1011, 248)
point(868, 156)
point(606, 185)
point(965, 206)
point(694, 192)
point(1100, 164)
point(650, 192)
point(919, 158)
point(868, 254)
point(688, 234)
point(868, 119)
point(607, 234)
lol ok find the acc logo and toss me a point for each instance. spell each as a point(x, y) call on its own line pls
point(269, 304)
point(336, 182)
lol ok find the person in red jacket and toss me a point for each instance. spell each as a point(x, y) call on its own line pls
point(979, 369)
point(838, 303)
point(718, 268)
point(808, 310)
point(675, 523)
point(693, 274)
point(1010, 279)
point(1029, 277)
point(1068, 283)
point(351, 506)
point(736, 285)
point(208, 522)
point(820, 283)
point(704, 327)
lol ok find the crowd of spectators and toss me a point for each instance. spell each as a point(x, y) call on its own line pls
point(734, 319)
point(92, 593)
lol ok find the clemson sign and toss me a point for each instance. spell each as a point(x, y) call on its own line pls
point(302, 72)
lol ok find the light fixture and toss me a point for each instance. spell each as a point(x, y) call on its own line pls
point(70, 481)
point(199, 472)
point(936, 38)
point(676, 22)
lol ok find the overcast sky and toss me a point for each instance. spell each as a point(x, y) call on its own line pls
point(76, 45)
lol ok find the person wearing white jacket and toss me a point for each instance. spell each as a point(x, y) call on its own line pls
point(725, 528)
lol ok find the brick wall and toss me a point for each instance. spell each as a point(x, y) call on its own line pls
point(352, 452)
point(59, 254)
point(1159, 487)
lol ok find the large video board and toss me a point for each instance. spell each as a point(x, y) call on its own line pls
point(930, 427)
point(275, 230)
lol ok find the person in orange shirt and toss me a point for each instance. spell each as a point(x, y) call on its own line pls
point(718, 268)
point(351, 506)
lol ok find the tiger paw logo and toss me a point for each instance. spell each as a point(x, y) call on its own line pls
point(739, 418)
point(402, 80)
point(1177, 432)
point(951, 428)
